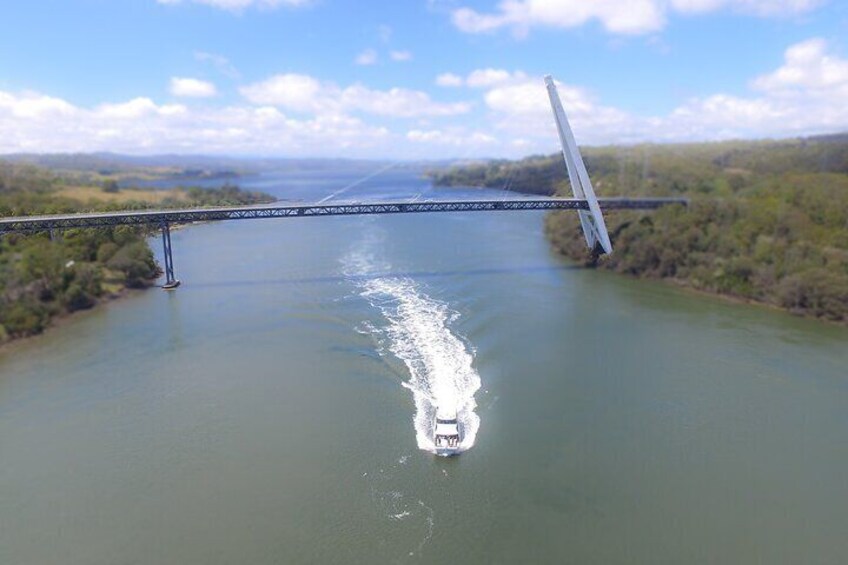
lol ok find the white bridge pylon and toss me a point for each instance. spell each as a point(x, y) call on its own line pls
point(592, 220)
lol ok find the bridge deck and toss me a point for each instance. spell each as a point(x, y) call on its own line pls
point(164, 217)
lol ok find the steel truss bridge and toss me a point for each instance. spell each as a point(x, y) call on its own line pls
point(164, 219)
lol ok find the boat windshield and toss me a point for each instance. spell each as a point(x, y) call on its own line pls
point(447, 440)
point(440, 421)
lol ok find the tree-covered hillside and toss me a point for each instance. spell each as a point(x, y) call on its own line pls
point(768, 220)
point(42, 278)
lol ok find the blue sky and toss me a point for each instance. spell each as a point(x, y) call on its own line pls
point(413, 79)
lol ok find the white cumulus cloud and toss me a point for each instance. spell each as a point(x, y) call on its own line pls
point(449, 79)
point(755, 7)
point(137, 108)
point(490, 77)
point(400, 56)
point(522, 108)
point(300, 115)
point(616, 16)
point(398, 102)
point(366, 58)
point(34, 106)
point(804, 96)
point(303, 93)
point(481, 78)
point(456, 137)
point(807, 65)
point(192, 88)
point(33, 122)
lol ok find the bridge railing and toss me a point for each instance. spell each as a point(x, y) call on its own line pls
point(185, 216)
point(164, 219)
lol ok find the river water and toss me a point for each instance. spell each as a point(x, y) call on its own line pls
point(277, 407)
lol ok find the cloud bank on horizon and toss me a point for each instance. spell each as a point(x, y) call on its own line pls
point(374, 99)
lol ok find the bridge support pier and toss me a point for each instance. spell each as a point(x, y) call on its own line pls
point(171, 282)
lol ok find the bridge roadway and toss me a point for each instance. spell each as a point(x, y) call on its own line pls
point(161, 218)
point(165, 218)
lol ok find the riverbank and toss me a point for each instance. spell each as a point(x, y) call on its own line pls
point(768, 223)
point(700, 248)
point(43, 280)
point(12, 345)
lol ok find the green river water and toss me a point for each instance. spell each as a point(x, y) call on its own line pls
point(277, 407)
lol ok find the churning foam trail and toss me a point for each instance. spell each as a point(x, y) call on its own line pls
point(418, 332)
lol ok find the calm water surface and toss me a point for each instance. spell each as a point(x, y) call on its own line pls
point(276, 408)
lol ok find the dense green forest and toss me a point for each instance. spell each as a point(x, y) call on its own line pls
point(768, 221)
point(41, 278)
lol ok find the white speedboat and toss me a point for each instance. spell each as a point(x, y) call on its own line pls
point(447, 433)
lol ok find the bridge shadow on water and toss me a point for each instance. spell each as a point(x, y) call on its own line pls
point(391, 274)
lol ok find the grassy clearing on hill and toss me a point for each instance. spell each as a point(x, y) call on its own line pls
point(96, 195)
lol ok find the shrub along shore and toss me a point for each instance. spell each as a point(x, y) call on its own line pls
point(768, 220)
point(43, 279)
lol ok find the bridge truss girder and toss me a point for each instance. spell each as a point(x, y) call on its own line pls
point(162, 217)
point(165, 218)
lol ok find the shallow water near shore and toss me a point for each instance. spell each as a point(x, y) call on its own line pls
point(275, 408)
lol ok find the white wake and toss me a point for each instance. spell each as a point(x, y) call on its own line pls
point(418, 332)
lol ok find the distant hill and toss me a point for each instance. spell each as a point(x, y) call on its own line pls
point(657, 169)
point(114, 163)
